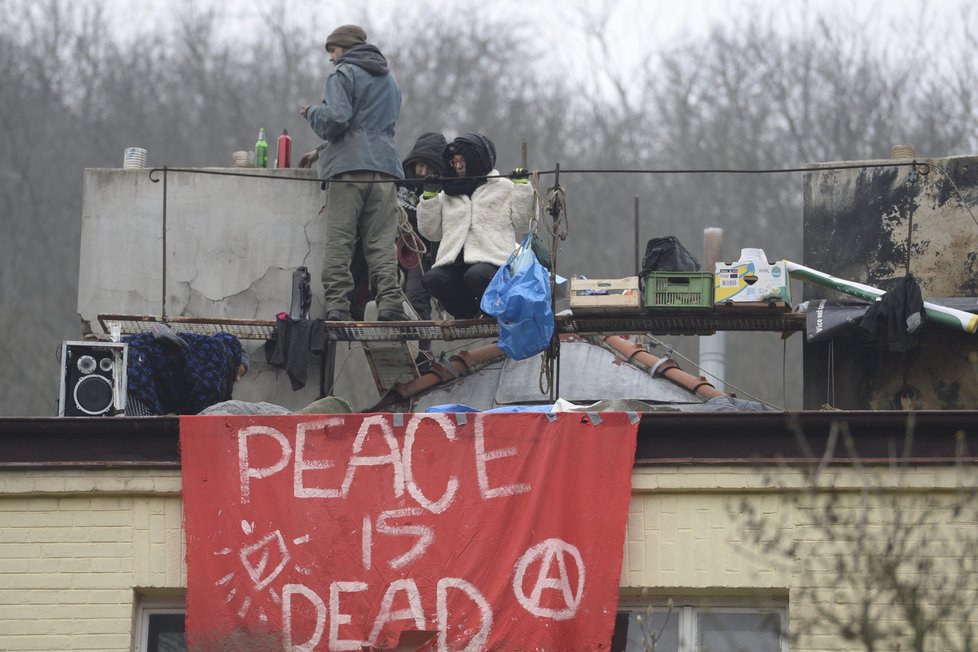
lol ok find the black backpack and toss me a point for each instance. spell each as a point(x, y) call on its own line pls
point(668, 254)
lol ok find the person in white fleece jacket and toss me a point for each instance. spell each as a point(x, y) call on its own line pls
point(476, 220)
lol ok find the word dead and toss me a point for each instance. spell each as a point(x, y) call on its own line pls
point(298, 598)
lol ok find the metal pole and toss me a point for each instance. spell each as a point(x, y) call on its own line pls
point(555, 339)
point(957, 319)
point(163, 311)
point(713, 348)
point(637, 245)
point(524, 158)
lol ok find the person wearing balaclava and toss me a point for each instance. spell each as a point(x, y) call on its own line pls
point(476, 218)
point(416, 254)
point(423, 161)
point(359, 164)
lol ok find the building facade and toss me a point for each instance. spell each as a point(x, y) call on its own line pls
point(725, 545)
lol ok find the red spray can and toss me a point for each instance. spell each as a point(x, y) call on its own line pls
point(284, 150)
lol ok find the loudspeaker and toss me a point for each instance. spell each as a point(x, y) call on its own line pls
point(93, 379)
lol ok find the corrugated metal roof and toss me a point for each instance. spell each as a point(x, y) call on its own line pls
point(588, 373)
point(476, 391)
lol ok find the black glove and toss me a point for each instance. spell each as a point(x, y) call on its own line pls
point(431, 186)
point(519, 175)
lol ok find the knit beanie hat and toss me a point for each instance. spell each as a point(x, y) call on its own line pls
point(346, 36)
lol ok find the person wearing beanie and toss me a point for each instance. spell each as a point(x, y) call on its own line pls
point(359, 164)
point(423, 161)
point(476, 216)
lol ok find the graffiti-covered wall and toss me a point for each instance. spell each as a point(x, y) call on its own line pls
point(874, 225)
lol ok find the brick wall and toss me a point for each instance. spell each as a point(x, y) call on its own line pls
point(75, 546)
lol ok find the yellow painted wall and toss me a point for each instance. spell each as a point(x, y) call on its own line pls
point(77, 547)
point(74, 547)
point(687, 538)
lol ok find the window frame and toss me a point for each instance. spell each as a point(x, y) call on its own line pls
point(149, 606)
point(689, 606)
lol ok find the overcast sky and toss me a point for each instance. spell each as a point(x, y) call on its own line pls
point(635, 24)
point(635, 29)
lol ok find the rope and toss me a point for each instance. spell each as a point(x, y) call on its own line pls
point(339, 374)
point(409, 239)
point(555, 206)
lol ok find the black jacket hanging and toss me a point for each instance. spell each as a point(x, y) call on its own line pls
point(901, 310)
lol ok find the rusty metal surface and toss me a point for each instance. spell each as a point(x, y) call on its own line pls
point(588, 373)
point(411, 330)
point(684, 323)
point(664, 323)
point(475, 390)
point(243, 329)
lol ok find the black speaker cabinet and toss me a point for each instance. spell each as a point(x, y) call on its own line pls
point(93, 379)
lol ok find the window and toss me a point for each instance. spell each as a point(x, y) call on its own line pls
point(701, 626)
point(160, 625)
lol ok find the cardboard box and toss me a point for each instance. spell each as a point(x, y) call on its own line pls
point(751, 279)
point(605, 296)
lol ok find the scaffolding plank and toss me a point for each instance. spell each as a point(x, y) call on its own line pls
point(664, 323)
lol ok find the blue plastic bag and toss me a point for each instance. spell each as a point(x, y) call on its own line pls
point(518, 296)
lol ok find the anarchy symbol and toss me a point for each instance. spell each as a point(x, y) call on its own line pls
point(550, 551)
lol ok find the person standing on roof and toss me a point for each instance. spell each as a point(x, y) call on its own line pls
point(476, 218)
point(415, 254)
point(359, 163)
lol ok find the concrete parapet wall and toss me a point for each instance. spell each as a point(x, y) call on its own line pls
point(232, 243)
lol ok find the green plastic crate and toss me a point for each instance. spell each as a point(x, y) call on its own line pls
point(677, 291)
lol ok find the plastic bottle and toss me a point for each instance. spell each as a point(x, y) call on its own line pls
point(261, 150)
point(284, 159)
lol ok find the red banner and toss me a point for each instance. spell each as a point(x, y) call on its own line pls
point(339, 532)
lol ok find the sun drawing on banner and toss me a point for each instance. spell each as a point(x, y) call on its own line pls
point(263, 561)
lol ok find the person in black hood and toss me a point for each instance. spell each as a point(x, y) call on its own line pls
point(424, 160)
point(416, 254)
point(476, 218)
point(359, 163)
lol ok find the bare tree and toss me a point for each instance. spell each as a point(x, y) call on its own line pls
point(882, 564)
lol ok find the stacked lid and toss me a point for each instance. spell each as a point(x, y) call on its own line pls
point(134, 157)
point(242, 159)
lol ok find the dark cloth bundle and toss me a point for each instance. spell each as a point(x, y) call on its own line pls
point(296, 340)
point(168, 377)
point(667, 254)
point(897, 315)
